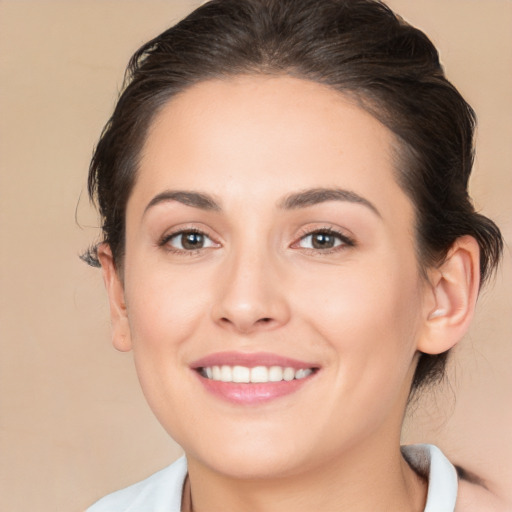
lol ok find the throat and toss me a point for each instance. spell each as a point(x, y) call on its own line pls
point(323, 490)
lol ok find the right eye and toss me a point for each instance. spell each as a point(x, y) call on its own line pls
point(188, 240)
point(322, 240)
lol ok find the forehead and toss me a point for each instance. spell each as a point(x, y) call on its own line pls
point(266, 136)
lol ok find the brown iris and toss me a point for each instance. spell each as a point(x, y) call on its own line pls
point(191, 240)
point(323, 240)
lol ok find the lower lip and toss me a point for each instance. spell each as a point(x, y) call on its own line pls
point(248, 393)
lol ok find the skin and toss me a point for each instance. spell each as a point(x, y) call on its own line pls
point(360, 311)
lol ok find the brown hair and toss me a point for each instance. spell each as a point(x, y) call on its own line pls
point(358, 47)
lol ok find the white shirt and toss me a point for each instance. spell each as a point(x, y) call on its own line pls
point(162, 491)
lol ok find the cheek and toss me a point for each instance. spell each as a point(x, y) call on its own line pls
point(372, 326)
point(369, 313)
point(164, 307)
point(165, 310)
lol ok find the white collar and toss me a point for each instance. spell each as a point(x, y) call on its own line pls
point(162, 491)
point(430, 461)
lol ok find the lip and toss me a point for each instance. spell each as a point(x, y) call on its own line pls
point(251, 393)
point(250, 360)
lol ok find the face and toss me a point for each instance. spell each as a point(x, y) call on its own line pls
point(271, 291)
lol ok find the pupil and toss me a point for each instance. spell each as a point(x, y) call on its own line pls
point(192, 240)
point(323, 241)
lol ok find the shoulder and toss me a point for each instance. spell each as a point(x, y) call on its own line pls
point(474, 494)
point(473, 497)
point(451, 487)
point(158, 493)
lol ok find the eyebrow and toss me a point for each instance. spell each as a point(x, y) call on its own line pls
point(314, 196)
point(303, 199)
point(194, 199)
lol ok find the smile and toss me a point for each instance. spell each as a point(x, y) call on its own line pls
point(257, 374)
point(252, 378)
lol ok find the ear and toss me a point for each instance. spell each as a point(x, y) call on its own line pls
point(121, 338)
point(452, 296)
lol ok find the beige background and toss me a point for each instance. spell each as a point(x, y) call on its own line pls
point(73, 423)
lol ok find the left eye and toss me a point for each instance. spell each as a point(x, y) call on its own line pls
point(322, 240)
point(190, 241)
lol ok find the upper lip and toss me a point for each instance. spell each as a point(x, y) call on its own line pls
point(250, 360)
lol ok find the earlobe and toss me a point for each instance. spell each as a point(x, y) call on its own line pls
point(454, 290)
point(121, 338)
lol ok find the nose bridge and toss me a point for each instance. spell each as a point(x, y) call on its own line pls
point(250, 297)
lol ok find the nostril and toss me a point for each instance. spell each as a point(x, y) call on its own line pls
point(247, 323)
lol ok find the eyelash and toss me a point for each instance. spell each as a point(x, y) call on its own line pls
point(345, 240)
point(164, 242)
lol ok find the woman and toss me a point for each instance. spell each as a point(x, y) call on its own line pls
point(290, 251)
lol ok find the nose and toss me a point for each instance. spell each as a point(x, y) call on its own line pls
point(251, 296)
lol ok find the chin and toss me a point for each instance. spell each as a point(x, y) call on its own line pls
point(248, 455)
point(254, 464)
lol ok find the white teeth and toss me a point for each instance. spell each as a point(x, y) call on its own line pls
point(226, 375)
point(241, 374)
point(216, 373)
point(258, 374)
point(275, 374)
point(301, 374)
point(289, 374)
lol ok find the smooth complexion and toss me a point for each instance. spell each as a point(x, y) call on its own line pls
point(266, 225)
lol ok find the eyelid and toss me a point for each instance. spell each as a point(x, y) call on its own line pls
point(180, 230)
point(347, 240)
point(341, 235)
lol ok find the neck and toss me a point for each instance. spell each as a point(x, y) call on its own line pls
point(366, 479)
